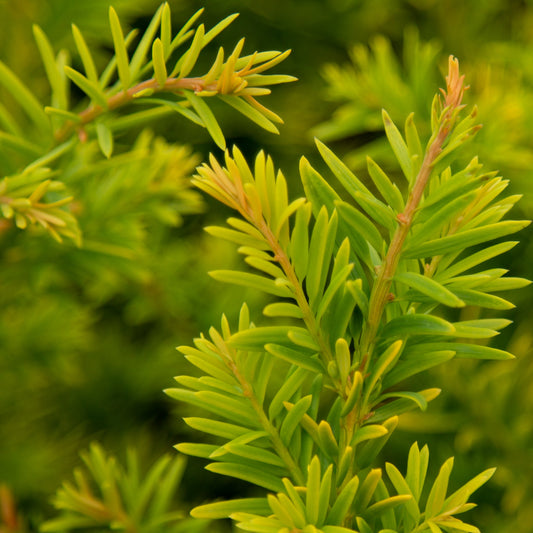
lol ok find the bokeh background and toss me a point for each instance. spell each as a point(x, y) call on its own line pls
point(88, 337)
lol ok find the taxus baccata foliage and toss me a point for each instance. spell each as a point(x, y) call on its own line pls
point(69, 170)
point(107, 495)
point(138, 84)
point(377, 77)
point(501, 88)
point(302, 405)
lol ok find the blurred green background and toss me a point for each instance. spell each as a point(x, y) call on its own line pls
point(87, 337)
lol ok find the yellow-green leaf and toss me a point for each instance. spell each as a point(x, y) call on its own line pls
point(209, 120)
point(92, 89)
point(224, 509)
point(430, 287)
point(53, 73)
point(158, 62)
point(296, 357)
point(399, 147)
point(191, 56)
point(24, 97)
point(416, 324)
point(120, 50)
point(248, 111)
point(85, 55)
point(105, 139)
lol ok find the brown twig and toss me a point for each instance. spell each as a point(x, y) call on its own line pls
point(125, 97)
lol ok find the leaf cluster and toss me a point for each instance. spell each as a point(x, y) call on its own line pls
point(378, 77)
point(501, 86)
point(77, 317)
point(147, 77)
point(358, 284)
point(365, 280)
point(107, 496)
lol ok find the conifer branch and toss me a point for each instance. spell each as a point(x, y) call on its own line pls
point(228, 186)
point(236, 80)
point(267, 425)
point(237, 86)
point(380, 291)
point(148, 87)
point(299, 294)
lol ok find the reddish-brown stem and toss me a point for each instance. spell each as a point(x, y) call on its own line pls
point(125, 97)
point(381, 289)
point(8, 511)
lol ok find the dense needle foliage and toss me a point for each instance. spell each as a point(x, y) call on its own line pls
point(359, 286)
point(366, 280)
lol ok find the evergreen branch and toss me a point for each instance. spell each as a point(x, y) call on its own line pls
point(277, 443)
point(227, 185)
point(145, 88)
point(237, 81)
point(308, 316)
point(236, 88)
point(106, 495)
point(21, 199)
point(236, 77)
point(229, 366)
point(482, 197)
point(380, 291)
